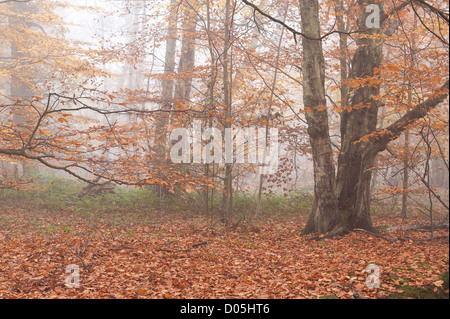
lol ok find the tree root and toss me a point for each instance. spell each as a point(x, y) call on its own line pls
point(419, 227)
point(338, 231)
point(375, 235)
point(341, 231)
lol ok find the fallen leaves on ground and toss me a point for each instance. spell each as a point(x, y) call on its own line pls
point(174, 256)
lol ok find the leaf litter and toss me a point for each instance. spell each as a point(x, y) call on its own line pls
point(175, 256)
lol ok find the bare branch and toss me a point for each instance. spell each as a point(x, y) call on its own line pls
point(20, 1)
point(394, 130)
point(294, 32)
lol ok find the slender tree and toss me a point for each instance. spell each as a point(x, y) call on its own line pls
point(227, 199)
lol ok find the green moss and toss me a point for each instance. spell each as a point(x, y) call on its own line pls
point(444, 277)
point(328, 297)
point(427, 292)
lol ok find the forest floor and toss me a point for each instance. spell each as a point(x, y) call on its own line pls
point(183, 256)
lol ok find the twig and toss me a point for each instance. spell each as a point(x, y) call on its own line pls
point(120, 248)
point(426, 239)
point(376, 235)
point(81, 252)
point(419, 227)
point(199, 244)
point(235, 224)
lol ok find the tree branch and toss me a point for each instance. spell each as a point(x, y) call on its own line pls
point(294, 32)
point(5, 1)
point(435, 10)
point(394, 130)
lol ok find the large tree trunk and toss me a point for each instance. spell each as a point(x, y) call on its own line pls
point(354, 164)
point(343, 50)
point(325, 214)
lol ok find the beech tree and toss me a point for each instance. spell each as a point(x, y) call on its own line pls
point(341, 198)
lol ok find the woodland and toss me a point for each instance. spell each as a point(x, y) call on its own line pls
point(224, 149)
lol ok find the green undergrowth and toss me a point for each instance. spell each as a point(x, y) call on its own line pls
point(51, 194)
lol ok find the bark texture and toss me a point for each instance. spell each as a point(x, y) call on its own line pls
point(360, 119)
point(325, 214)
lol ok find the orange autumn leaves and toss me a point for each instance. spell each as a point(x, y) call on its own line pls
point(142, 257)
